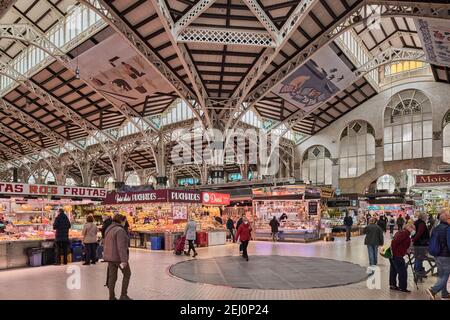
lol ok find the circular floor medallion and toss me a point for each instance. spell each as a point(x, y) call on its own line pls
point(270, 272)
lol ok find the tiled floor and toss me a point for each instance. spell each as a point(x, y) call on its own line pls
point(151, 279)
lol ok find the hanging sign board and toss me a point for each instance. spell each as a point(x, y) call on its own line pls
point(214, 198)
point(153, 196)
point(9, 188)
point(433, 179)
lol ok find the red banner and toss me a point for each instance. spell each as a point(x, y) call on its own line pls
point(443, 178)
point(213, 198)
point(24, 189)
point(153, 196)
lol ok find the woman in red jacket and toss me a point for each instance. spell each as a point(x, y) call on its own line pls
point(399, 246)
point(244, 234)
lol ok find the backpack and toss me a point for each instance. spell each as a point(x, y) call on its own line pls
point(434, 247)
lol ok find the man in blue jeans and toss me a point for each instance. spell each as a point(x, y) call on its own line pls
point(443, 258)
point(374, 239)
point(420, 241)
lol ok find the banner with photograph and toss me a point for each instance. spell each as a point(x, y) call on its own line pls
point(324, 75)
point(117, 71)
point(435, 37)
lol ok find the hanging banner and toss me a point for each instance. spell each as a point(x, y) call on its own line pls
point(186, 196)
point(214, 198)
point(23, 189)
point(136, 197)
point(119, 73)
point(435, 37)
point(315, 81)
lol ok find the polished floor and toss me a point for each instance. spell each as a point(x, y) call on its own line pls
point(151, 278)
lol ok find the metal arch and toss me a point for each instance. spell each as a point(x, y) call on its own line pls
point(202, 95)
point(295, 19)
point(160, 66)
point(388, 56)
point(362, 13)
point(200, 7)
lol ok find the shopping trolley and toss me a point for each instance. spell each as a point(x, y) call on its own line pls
point(422, 253)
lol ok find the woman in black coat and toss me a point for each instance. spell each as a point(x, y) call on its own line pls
point(62, 226)
point(274, 224)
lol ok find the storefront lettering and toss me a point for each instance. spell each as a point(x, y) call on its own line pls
point(174, 195)
point(36, 189)
point(433, 178)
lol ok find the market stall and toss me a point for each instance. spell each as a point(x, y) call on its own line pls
point(431, 193)
point(28, 211)
point(214, 203)
point(158, 217)
point(296, 207)
point(334, 214)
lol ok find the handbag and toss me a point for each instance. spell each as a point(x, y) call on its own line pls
point(386, 252)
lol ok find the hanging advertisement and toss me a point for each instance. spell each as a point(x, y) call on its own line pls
point(119, 73)
point(435, 37)
point(153, 196)
point(10, 188)
point(315, 81)
point(214, 198)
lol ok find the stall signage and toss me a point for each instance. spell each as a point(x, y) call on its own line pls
point(442, 178)
point(50, 190)
point(326, 192)
point(312, 208)
point(214, 198)
point(186, 196)
point(136, 197)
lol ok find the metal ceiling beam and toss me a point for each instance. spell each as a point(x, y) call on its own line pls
point(193, 13)
point(236, 102)
point(263, 18)
point(142, 48)
point(183, 55)
point(360, 14)
point(391, 55)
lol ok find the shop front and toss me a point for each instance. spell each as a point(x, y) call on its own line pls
point(297, 208)
point(214, 204)
point(158, 217)
point(28, 212)
point(431, 193)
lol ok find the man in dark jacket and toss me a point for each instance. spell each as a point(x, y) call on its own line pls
point(274, 224)
point(420, 241)
point(374, 239)
point(61, 226)
point(348, 222)
point(382, 223)
point(106, 223)
point(400, 222)
point(230, 228)
point(399, 246)
point(443, 258)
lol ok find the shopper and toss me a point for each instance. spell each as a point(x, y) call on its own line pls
point(230, 228)
point(431, 222)
point(391, 226)
point(238, 224)
point(374, 239)
point(407, 218)
point(400, 222)
point(90, 231)
point(107, 221)
point(62, 226)
point(382, 222)
point(420, 241)
point(117, 255)
point(399, 246)
point(348, 222)
point(274, 224)
point(244, 234)
point(283, 217)
point(441, 231)
point(190, 233)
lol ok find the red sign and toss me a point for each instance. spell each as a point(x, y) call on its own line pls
point(48, 190)
point(213, 198)
point(152, 196)
point(443, 178)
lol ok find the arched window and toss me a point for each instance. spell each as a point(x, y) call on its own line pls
point(386, 182)
point(446, 138)
point(357, 149)
point(133, 180)
point(316, 166)
point(70, 182)
point(408, 128)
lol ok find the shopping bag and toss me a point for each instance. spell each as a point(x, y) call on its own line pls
point(386, 252)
